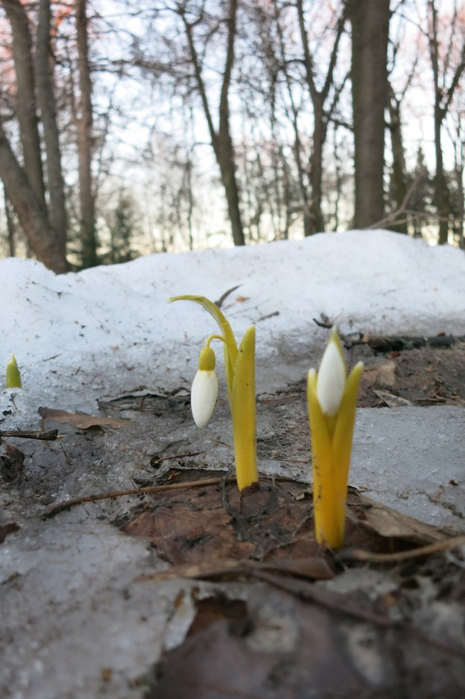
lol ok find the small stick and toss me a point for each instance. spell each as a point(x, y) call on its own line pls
point(369, 557)
point(49, 435)
point(60, 506)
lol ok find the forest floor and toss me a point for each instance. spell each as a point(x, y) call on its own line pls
point(237, 599)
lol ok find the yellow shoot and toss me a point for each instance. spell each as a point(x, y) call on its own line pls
point(332, 436)
point(240, 377)
point(13, 377)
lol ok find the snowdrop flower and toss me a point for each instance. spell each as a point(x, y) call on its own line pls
point(332, 399)
point(13, 377)
point(204, 388)
point(240, 378)
point(331, 380)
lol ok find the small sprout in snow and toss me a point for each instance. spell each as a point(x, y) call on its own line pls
point(332, 399)
point(13, 377)
point(240, 378)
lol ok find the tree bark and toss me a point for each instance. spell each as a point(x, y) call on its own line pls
point(85, 142)
point(31, 214)
point(316, 222)
point(46, 98)
point(9, 225)
point(25, 96)
point(399, 185)
point(370, 31)
point(221, 140)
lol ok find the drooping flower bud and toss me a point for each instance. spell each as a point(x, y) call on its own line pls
point(204, 390)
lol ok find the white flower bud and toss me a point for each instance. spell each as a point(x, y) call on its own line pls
point(204, 388)
point(331, 380)
point(203, 396)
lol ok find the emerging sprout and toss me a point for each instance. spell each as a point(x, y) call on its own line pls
point(13, 377)
point(240, 378)
point(332, 399)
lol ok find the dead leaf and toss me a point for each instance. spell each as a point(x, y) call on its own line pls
point(11, 465)
point(217, 523)
point(81, 421)
point(386, 374)
point(390, 523)
point(390, 399)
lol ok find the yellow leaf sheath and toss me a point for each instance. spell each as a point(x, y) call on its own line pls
point(331, 451)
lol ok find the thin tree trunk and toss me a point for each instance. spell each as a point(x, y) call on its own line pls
point(398, 161)
point(32, 216)
point(9, 225)
point(370, 30)
point(317, 224)
point(84, 127)
point(443, 96)
point(441, 190)
point(314, 219)
point(46, 97)
point(461, 209)
point(221, 140)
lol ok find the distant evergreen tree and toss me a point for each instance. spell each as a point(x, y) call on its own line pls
point(123, 228)
point(421, 197)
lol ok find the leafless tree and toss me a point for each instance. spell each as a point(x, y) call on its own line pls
point(24, 185)
point(323, 108)
point(47, 105)
point(83, 118)
point(221, 139)
point(446, 79)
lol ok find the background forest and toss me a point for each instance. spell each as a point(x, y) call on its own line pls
point(132, 127)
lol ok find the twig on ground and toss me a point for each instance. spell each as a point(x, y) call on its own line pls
point(48, 435)
point(60, 506)
point(430, 549)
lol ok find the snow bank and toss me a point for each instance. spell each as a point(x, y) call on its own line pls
point(109, 329)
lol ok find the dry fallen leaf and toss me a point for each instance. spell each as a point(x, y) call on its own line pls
point(81, 421)
point(391, 523)
point(390, 399)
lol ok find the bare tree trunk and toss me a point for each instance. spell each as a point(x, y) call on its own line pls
point(9, 225)
point(398, 161)
point(46, 97)
point(461, 210)
point(25, 96)
point(316, 220)
point(221, 140)
point(85, 143)
point(32, 216)
point(370, 31)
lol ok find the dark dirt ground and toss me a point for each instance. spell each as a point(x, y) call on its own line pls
point(366, 629)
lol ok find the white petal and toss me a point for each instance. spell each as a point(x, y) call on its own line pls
point(331, 380)
point(203, 396)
